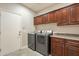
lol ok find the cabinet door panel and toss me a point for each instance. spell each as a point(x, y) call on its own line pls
point(39, 19)
point(58, 51)
point(71, 51)
point(51, 17)
point(64, 16)
point(35, 21)
point(77, 13)
point(58, 17)
point(72, 15)
point(57, 47)
point(45, 18)
point(72, 48)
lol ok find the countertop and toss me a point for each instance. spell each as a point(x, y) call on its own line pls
point(66, 36)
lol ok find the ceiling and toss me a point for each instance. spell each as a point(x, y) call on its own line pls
point(37, 7)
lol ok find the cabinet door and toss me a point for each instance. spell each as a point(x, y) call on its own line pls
point(64, 14)
point(73, 15)
point(77, 13)
point(58, 50)
point(71, 51)
point(57, 47)
point(58, 17)
point(45, 18)
point(71, 48)
point(51, 17)
point(38, 20)
point(35, 21)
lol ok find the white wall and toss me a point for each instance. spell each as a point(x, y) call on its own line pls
point(27, 18)
point(0, 30)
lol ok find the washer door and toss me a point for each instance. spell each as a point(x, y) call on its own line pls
point(42, 44)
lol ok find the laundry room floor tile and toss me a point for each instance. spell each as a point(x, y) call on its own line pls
point(24, 52)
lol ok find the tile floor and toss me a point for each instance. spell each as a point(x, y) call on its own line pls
point(24, 52)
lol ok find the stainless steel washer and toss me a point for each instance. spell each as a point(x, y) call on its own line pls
point(42, 44)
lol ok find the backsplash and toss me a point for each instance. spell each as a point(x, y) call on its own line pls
point(73, 29)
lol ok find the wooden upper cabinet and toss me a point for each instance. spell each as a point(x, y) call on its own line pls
point(74, 14)
point(77, 13)
point(35, 21)
point(51, 17)
point(58, 16)
point(44, 18)
point(63, 16)
point(38, 20)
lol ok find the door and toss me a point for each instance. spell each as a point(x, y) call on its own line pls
point(10, 27)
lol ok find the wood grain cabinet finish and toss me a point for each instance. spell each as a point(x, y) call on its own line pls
point(52, 17)
point(57, 47)
point(35, 21)
point(72, 15)
point(71, 48)
point(45, 19)
point(69, 15)
point(38, 20)
point(64, 47)
point(77, 13)
point(65, 16)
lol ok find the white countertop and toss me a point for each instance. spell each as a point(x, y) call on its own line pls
point(66, 36)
